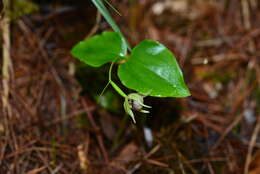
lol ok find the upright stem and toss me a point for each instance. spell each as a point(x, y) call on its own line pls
point(6, 54)
point(113, 84)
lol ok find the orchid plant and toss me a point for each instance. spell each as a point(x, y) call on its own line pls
point(149, 68)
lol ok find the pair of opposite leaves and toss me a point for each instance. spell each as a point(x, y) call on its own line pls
point(151, 69)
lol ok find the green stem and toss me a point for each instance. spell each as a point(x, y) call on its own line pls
point(114, 85)
point(118, 89)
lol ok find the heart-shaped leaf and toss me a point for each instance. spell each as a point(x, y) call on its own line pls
point(100, 49)
point(153, 70)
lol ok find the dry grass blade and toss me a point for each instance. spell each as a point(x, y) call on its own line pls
point(251, 147)
point(38, 170)
point(229, 128)
point(157, 163)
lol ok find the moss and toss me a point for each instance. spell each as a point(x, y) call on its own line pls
point(23, 7)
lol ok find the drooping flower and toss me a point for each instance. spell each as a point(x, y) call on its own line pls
point(135, 101)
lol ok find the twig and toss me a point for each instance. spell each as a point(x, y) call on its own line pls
point(95, 27)
point(59, 167)
point(2, 152)
point(184, 161)
point(210, 168)
point(254, 4)
point(157, 163)
point(83, 150)
point(69, 116)
point(55, 74)
point(209, 123)
point(182, 168)
point(229, 128)
point(210, 159)
point(200, 160)
point(246, 14)
point(20, 150)
point(138, 165)
point(7, 64)
point(35, 171)
point(251, 147)
point(96, 128)
point(247, 22)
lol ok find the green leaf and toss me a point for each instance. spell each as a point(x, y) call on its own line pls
point(153, 70)
point(103, 10)
point(100, 49)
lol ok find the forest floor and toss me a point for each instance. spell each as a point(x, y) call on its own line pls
point(55, 123)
